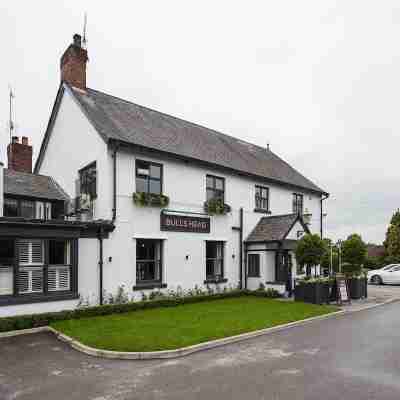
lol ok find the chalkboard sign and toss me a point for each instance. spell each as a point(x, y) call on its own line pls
point(342, 290)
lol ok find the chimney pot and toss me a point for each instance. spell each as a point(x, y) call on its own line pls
point(73, 64)
point(77, 40)
point(20, 155)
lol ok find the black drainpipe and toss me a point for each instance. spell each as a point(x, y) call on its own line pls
point(322, 214)
point(240, 230)
point(100, 237)
point(114, 210)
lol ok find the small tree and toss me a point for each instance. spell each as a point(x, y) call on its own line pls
point(309, 251)
point(354, 252)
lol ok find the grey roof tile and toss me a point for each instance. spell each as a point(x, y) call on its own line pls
point(272, 228)
point(119, 119)
point(32, 185)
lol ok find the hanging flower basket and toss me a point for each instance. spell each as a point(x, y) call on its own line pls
point(150, 199)
point(216, 207)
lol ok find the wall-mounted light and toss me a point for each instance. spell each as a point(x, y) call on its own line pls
point(233, 256)
point(187, 257)
point(110, 259)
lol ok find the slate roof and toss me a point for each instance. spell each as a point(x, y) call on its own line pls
point(32, 185)
point(118, 119)
point(273, 228)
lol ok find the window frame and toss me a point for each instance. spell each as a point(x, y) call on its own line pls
point(148, 177)
point(36, 201)
point(81, 172)
point(216, 278)
point(147, 282)
point(45, 295)
point(261, 198)
point(257, 272)
point(295, 203)
point(214, 187)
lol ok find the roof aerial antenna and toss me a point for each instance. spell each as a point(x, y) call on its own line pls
point(11, 122)
point(84, 41)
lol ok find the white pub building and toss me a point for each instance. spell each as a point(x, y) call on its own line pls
point(189, 206)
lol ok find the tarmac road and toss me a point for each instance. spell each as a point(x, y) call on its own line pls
point(350, 357)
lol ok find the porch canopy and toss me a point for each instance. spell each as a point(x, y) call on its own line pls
point(278, 231)
point(278, 234)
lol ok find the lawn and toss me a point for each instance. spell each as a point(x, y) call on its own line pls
point(185, 325)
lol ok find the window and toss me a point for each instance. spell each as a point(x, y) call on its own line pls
point(27, 209)
point(88, 181)
point(297, 203)
point(10, 207)
point(148, 260)
point(215, 188)
point(254, 266)
point(6, 267)
point(262, 198)
point(59, 272)
point(31, 260)
point(148, 177)
point(214, 260)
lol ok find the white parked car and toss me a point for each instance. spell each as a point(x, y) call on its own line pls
point(388, 274)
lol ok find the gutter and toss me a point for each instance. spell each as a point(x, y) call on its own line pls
point(322, 214)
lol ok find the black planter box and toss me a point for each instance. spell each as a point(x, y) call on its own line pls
point(315, 293)
point(357, 288)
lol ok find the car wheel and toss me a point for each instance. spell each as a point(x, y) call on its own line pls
point(376, 279)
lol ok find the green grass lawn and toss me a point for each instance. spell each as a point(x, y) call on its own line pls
point(185, 325)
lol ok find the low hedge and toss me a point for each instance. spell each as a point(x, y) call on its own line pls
point(37, 320)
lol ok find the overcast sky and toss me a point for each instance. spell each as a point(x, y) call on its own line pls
point(318, 80)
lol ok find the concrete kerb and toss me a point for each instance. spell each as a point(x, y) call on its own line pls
point(184, 351)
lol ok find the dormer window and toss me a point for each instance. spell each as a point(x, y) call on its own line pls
point(148, 177)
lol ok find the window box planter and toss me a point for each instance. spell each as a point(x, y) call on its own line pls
point(150, 199)
point(357, 288)
point(312, 292)
point(216, 207)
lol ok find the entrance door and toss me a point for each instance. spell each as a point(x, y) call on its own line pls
point(283, 269)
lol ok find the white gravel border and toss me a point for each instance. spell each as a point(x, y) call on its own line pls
point(184, 351)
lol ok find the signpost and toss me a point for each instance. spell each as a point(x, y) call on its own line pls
point(342, 290)
point(184, 223)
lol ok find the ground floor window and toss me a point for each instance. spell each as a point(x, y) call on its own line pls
point(253, 266)
point(7, 256)
point(148, 261)
point(36, 266)
point(214, 260)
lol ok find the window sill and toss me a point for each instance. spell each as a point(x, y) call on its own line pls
point(150, 285)
point(254, 276)
point(262, 211)
point(221, 280)
point(37, 298)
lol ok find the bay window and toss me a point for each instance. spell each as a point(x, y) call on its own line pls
point(36, 267)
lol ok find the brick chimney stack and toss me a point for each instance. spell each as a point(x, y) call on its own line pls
point(73, 64)
point(20, 155)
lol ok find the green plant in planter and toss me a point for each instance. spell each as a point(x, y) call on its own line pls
point(150, 199)
point(216, 207)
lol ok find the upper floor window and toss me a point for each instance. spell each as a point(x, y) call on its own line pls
point(262, 198)
point(148, 177)
point(88, 181)
point(215, 188)
point(29, 209)
point(297, 203)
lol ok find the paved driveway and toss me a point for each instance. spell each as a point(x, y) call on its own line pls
point(356, 356)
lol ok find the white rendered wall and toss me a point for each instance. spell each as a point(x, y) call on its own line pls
point(74, 144)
